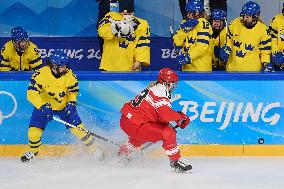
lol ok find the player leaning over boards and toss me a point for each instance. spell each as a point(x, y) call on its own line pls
point(194, 39)
point(248, 46)
point(53, 90)
point(126, 40)
point(20, 54)
point(146, 119)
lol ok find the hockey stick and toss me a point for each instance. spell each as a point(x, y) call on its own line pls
point(88, 132)
point(176, 97)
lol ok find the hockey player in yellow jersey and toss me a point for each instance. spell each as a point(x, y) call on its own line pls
point(248, 46)
point(277, 36)
point(20, 54)
point(193, 39)
point(126, 40)
point(52, 91)
point(218, 21)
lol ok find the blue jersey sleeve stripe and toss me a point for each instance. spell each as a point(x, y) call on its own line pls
point(266, 48)
point(265, 42)
point(73, 91)
point(143, 45)
point(203, 41)
point(35, 61)
point(203, 33)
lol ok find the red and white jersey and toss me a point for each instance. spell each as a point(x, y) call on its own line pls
point(151, 105)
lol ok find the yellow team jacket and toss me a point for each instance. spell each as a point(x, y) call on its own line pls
point(45, 88)
point(251, 48)
point(29, 60)
point(219, 42)
point(198, 44)
point(277, 33)
point(119, 54)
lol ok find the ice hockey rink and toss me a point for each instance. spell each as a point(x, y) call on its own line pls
point(86, 172)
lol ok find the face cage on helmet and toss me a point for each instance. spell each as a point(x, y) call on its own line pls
point(171, 85)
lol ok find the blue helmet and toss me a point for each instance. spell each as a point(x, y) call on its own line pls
point(59, 58)
point(19, 33)
point(194, 6)
point(218, 14)
point(251, 8)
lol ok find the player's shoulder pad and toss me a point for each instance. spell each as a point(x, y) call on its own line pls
point(262, 25)
point(72, 75)
point(142, 21)
point(203, 24)
point(33, 45)
point(33, 49)
point(9, 45)
point(278, 17)
point(40, 71)
point(159, 90)
point(236, 21)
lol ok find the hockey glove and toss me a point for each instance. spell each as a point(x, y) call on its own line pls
point(47, 111)
point(120, 28)
point(184, 121)
point(182, 59)
point(189, 24)
point(133, 24)
point(225, 52)
point(267, 67)
point(70, 108)
point(278, 58)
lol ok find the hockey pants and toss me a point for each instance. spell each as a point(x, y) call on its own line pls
point(152, 132)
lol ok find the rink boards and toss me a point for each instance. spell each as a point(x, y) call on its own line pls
point(231, 114)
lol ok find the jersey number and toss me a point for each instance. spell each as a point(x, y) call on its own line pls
point(205, 25)
point(138, 99)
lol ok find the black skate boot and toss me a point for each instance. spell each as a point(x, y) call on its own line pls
point(180, 166)
point(28, 156)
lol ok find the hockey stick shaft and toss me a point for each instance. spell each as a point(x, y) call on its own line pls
point(82, 129)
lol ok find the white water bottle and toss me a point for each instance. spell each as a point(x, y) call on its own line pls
point(114, 6)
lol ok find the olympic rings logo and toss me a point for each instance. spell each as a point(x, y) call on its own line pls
point(2, 117)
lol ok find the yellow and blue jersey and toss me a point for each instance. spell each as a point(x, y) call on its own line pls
point(219, 42)
point(119, 54)
point(251, 48)
point(276, 30)
point(198, 44)
point(11, 60)
point(45, 88)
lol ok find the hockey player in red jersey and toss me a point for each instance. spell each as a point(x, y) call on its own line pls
point(146, 119)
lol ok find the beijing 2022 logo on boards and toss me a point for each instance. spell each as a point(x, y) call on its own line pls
point(2, 116)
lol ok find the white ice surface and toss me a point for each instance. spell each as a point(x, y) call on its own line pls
point(148, 173)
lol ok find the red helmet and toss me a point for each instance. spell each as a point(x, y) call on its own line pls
point(168, 76)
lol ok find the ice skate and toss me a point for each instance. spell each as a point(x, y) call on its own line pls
point(28, 156)
point(180, 165)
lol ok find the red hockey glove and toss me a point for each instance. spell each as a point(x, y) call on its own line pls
point(184, 121)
